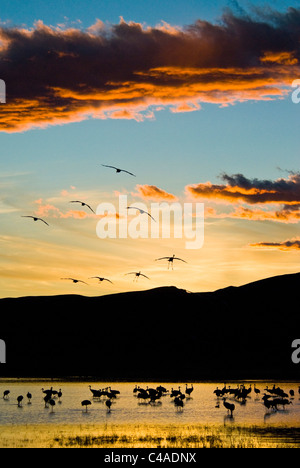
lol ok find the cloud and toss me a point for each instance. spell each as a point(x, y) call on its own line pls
point(243, 194)
point(151, 192)
point(286, 245)
point(48, 210)
point(57, 75)
point(238, 188)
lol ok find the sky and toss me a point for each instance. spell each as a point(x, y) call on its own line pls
point(194, 99)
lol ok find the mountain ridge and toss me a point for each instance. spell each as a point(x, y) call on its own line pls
point(158, 334)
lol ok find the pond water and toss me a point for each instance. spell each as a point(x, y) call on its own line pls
point(201, 408)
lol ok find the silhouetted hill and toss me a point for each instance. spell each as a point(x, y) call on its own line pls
point(161, 334)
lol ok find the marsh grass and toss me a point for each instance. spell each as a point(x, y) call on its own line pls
point(149, 436)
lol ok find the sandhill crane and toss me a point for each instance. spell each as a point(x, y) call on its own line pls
point(19, 400)
point(218, 392)
point(118, 170)
point(108, 403)
point(190, 390)
point(47, 399)
point(179, 403)
point(35, 219)
point(74, 280)
point(83, 205)
point(175, 393)
point(137, 275)
point(29, 397)
point(141, 211)
point(96, 393)
point(86, 403)
point(101, 279)
point(161, 389)
point(292, 393)
point(171, 260)
point(256, 390)
point(230, 407)
point(52, 404)
point(267, 403)
point(6, 394)
point(48, 392)
point(282, 402)
point(59, 394)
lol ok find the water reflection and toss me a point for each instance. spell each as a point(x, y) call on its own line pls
point(203, 407)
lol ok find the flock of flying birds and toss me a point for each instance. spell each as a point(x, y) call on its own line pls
point(137, 275)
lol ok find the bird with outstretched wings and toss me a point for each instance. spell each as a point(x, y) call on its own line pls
point(36, 219)
point(83, 204)
point(118, 170)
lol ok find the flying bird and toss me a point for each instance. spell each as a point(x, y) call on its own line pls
point(141, 211)
point(83, 204)
point(36, 219)
point(137, 275)
point(75, 281)
point(118, 171)
point(101, 279)
point(170, 260)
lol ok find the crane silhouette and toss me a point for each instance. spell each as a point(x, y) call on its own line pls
point(19, 400)
point(141, 211)
point(137, 275)
point(47, 399)
point(96, 393)
point(86, 403)
point(6, 394)
point(29, 397)
point(83, 204)
point(190, 390)
point(108, 403)
point(101, 279)
point(75, 281)
point(256, 390)
point(48, 392)
point(171, 260)
point(52, 404)
point(118, 170)
point(230, 407)
point(179, 403)
point(35, 219)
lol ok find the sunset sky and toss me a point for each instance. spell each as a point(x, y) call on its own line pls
point(194, 99)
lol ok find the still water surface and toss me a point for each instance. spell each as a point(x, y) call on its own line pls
point(127, 409)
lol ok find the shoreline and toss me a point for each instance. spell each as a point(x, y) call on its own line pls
point(142, 381)
point(150, 436)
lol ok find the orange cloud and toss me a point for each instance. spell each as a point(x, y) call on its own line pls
point(50, 211)
point(129, 71)
point(286, 58)
point(240, 189)
point(151, 192)
point(244, 193)
point(285, 246)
